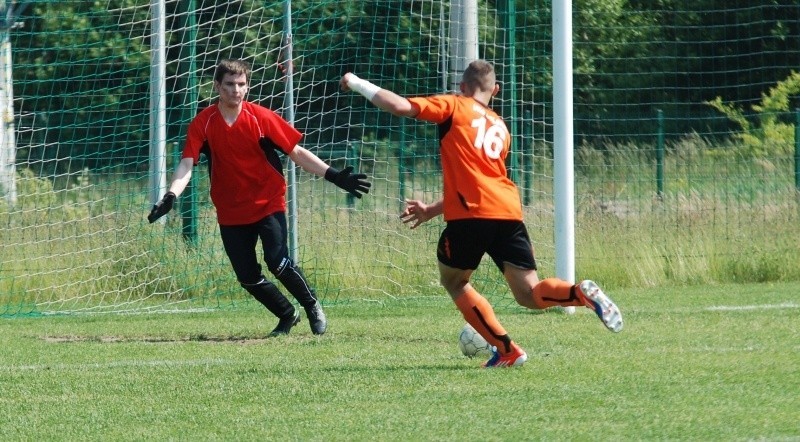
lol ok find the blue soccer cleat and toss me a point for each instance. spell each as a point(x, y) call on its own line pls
point(515, 358)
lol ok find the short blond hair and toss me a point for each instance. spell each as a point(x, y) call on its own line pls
point(479, 76)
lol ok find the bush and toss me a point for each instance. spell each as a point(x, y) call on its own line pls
point(769, 136)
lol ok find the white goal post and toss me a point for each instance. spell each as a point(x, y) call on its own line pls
point(103, 122)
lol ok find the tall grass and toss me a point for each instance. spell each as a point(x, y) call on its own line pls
point(721, 218)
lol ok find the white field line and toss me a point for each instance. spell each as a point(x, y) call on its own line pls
point(722, 350)
point(146, 311)
point(732, 308)
point(201, 362)
point(117, 364)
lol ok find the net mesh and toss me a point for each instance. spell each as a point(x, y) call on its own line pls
point(670, 187)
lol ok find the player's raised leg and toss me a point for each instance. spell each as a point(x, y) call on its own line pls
point(603, 306)
point(554, 292)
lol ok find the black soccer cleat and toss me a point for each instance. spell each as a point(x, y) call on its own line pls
point(316, 319)
point(285, 325)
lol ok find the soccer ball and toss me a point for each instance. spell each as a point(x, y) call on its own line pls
point(472, 344)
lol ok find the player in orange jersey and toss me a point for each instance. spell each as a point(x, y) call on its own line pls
point(482, 209)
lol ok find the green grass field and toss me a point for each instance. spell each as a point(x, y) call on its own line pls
point(693, 363)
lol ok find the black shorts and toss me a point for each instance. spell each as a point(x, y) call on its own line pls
point(464, 242)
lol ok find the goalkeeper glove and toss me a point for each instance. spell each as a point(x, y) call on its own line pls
point(356, 184)
point(162, 207)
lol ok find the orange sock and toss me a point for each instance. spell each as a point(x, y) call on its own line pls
point(480, 315)
point(553, 292)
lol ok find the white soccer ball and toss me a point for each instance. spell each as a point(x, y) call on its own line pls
point(472, 344)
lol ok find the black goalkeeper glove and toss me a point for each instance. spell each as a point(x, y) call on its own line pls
point(356, 184)
point(162, 207)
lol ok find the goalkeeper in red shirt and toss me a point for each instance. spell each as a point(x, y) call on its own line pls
point(482, 209)
point(241, 141)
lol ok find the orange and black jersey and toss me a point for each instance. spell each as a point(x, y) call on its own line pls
point(474, 143)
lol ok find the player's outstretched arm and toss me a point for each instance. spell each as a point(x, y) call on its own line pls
point(384, 99)
point(355, 183)
point(179, 181)
point(162, 207)
point(417, 212)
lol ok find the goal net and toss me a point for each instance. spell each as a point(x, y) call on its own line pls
point(73, 233)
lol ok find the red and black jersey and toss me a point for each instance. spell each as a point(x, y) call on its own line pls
point(473, 143)
point(246, 185)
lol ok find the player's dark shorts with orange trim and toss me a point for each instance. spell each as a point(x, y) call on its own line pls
point(464, 242)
